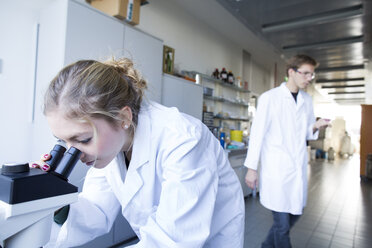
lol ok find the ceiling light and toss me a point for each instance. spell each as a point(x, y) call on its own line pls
point(340, 68)
point(346, 92)
point(325, 44)
point(339, 80)
point(342, 86)
point(318, 18)
point(349, 99)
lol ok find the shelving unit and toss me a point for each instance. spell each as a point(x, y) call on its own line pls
point(229, 103)
point(220, 99)
point(220, 82)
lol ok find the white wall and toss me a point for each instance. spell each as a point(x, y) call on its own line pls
point(197, 46)
point(261, 79)
point(200, 45)
point(17, 55)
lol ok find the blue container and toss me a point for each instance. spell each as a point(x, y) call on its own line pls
point(222, 139)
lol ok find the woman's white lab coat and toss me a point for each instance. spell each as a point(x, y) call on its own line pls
point(278, 140)
point(179, 190)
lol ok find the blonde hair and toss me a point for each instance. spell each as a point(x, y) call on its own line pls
point(91, 89)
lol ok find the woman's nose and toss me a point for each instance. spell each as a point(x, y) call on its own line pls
point(68, 145)
point(82, 156)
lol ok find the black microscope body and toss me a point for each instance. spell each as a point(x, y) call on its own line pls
point(19, 183)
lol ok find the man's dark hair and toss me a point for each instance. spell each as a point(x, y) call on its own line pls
point(300, 59)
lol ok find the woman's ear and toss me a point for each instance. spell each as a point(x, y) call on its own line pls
point(126, 114)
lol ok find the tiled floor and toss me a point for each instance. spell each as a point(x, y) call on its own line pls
point(338, 214)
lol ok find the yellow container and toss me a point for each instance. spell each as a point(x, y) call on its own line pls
point(236, 135)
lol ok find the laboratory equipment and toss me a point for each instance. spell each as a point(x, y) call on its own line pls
point(29, 197)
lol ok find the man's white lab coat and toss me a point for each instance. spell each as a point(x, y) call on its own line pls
point(179, 190)
point(278, 140)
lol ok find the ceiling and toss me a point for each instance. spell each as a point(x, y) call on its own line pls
point(337, 33)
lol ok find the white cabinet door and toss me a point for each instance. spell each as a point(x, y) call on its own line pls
point(146, 52)
point(69, 31)
point(186, 96)
point(91, 34)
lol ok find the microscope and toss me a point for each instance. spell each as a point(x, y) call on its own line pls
point(29, 197)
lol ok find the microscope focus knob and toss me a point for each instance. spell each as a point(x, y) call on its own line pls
point(14, 168)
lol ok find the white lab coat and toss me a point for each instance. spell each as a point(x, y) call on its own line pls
point(179, 190)
point(278, 140)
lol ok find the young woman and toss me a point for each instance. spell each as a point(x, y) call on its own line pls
point(164, 169)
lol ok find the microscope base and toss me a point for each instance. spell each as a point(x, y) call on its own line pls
point(25, 224)
point(36, 235)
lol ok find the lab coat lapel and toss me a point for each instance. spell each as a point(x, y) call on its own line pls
point(300, 100)
point(289, 118)
point(287, 95)
point(140, 157)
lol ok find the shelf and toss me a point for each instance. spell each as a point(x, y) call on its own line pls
point(221, 99)
point(237, 151)
point(230, 118)
point(222, 83)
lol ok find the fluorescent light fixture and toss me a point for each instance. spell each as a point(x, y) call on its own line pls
point(323, 80)
point(324, 44)
point(342, 86)
point(319, 18)
point(350, 99)
point(346, 92)
point(340, 68)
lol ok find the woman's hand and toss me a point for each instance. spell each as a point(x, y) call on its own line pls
point(41, 164)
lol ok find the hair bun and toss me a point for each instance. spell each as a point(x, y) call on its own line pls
point(125, 67)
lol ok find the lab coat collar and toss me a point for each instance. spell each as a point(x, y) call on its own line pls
point(140, 155)
point(142, 139)
point(288, 94)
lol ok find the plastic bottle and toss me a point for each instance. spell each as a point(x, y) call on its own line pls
point(222, 139)
point(230, 78)
point(238, 82)
point(223, 75)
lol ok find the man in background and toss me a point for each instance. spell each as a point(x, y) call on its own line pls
point(284, 121)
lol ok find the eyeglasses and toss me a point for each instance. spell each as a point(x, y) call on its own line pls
point(306, 74)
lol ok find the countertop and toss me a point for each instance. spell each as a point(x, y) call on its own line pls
point(236, 152)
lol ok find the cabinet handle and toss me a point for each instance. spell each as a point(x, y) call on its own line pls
point(36, 50)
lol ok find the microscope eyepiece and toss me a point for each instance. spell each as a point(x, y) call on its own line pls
point(56, 156)
point(67, 163)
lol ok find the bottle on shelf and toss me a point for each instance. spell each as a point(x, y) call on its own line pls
point(216, 74)
point(223, 75)
point(222, 138)
point(238, 82)
point(230, 77)
point(227, 141)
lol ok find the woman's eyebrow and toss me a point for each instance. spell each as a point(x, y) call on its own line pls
point(74, 137)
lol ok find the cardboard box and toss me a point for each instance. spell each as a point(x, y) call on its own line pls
point(128, 10)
